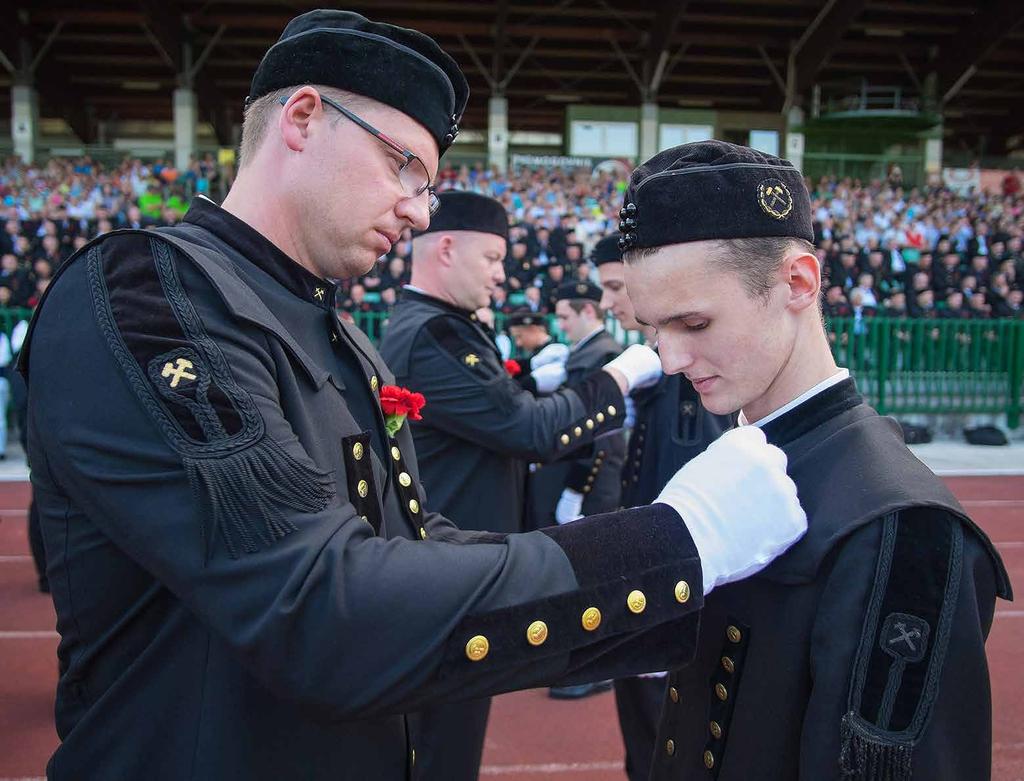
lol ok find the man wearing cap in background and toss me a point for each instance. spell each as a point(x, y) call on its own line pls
point(480, 427)
point(858, 653)
point(671, 427)
point(246, 580)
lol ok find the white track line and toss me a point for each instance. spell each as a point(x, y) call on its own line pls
point(992, 502)
point(548, 768)
point(1010, 614)
point(12, 560)
point(41, 634)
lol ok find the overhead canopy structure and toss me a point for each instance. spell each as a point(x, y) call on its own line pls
point(117, 60)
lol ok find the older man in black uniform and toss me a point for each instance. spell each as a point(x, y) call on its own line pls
point(671, 427)
point(859, 654)
point(247, 582)
point(479, 427)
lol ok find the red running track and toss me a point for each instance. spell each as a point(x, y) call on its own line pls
point(531, 737)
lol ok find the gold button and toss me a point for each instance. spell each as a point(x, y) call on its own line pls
point(716, 730)
point(721, 692)
point(734, 634)
point(374, 383)
point(396, 454)
point(414, 757)
point(709, 760)
point(423, 533)
point(357, 451)
point(611, 410)
point(682, 592)
point(404, 479)
point(477, 648)
point(564, 439)
point(590, 423)
point(363, 488)
point(728, 665)
point(636, 601)
point(365, 518)
point(591, 619)
point(600, 417)
point(537, 633)
point(670, 747)
point(414, 505)
point(578, 431)
point(673, 693)
point(334, 336)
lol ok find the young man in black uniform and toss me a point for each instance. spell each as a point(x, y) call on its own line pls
point(247, 582)
point(671, 427)
point(859, 654)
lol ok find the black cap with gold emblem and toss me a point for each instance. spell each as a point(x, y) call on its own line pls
point(396, 66)
point(525, 316)
point(577, 290)
point(607, 250)
point(713, 190)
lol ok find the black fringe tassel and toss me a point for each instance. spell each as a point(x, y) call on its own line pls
point(864, 757)
point(245, 495)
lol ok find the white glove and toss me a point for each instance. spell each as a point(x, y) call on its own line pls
point(739, 505)
point(639, 364)
point(549, 377)
point(553, 353)
point(569, 507)
point(630, 421)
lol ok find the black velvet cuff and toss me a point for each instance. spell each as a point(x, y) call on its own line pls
point(604, 411)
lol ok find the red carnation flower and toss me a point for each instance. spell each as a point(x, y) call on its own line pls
point(398, 403)
point(513, 368)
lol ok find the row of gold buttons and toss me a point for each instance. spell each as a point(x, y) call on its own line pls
point(577, 431)
point(537, 632)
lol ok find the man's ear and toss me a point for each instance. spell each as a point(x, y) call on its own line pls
point(299, 111)
point(446, 250)
point(802, 272)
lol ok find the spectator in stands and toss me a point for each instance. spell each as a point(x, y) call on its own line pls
point(954, 309)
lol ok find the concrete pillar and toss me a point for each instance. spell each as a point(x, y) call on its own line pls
point(648, 130)
point(933, 156)
point(186, 112)
point(795, 138)
point(497, 133)
point(24, 121)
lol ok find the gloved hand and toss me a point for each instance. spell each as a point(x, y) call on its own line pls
point(549, 377)
point(569, 507)
point(553, 353)
point(639, 364)
point(630, 421)
point(739, 505)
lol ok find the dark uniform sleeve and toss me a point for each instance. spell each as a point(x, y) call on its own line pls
point(900, 680)
point(471, 396)
point(156, 414)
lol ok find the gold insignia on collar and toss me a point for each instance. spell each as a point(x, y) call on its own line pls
point(472, 359)
point(581, 289)
point(775, 198)
point(178, 371)
point(318, 293)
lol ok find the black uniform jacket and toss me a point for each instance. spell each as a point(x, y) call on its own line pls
point(859, 653)
point(247, 582)
point(671, 428)
point(594, 471)
point(480, 427)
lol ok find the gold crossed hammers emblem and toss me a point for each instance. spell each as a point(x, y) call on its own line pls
point(178, 371)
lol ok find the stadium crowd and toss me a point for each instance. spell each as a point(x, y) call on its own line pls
point(885, 250)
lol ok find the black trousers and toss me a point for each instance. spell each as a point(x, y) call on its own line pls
point(450, 742)
point(639, 702)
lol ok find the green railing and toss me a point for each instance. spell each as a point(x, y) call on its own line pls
point(936, 367)
point(902, 367)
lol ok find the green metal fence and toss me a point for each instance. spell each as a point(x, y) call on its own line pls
point(937, 367)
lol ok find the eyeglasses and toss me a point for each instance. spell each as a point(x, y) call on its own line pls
point(412, 174)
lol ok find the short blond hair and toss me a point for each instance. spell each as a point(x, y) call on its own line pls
point(259, 113)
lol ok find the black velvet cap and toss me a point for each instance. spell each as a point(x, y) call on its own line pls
point(713, 190)
point(525, 316)
point(607, 250)
point(572, 291)
point(462, 211)
point(399, 67)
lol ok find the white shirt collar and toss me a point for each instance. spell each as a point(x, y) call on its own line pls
point(588, 337)
point(835, 379)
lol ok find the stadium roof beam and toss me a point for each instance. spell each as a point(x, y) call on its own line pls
point(660, 59)
point(820, 39)
point(991, 25)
